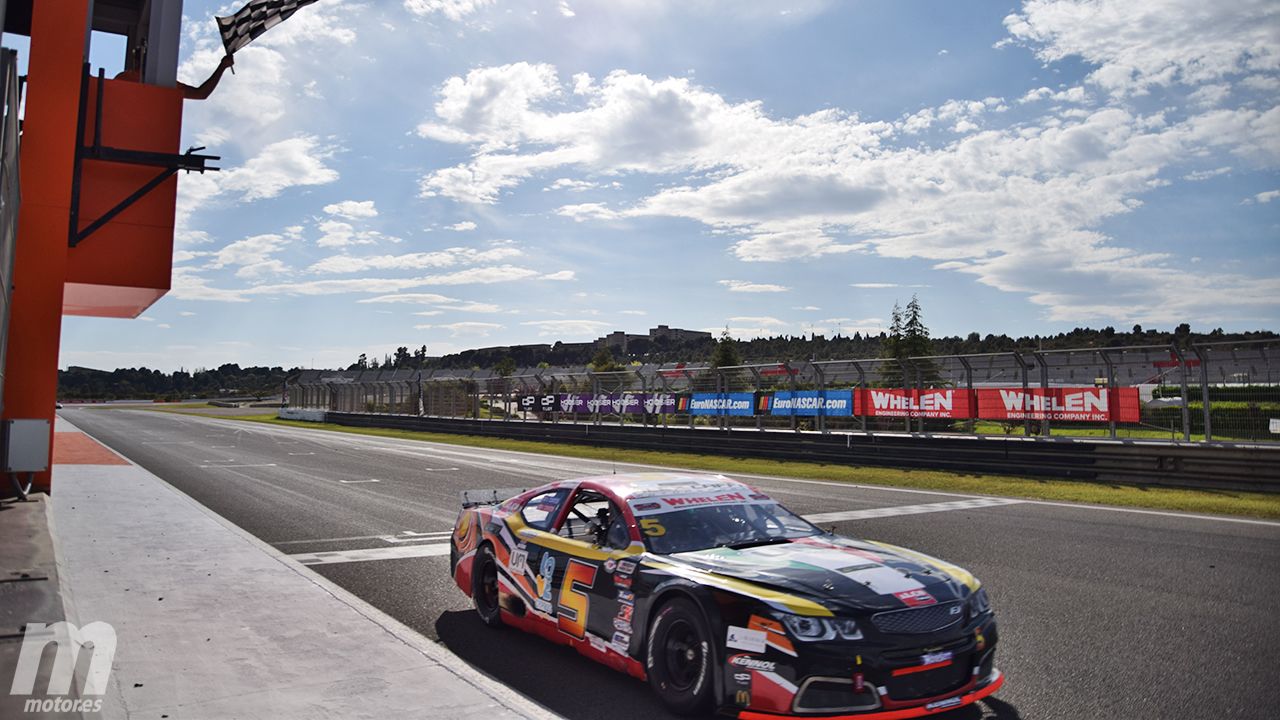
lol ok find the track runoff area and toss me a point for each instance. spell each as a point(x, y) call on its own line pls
point(1104, 612)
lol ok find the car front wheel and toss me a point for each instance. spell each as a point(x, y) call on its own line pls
point(679, 658)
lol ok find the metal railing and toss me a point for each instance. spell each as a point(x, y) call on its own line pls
point(11, 96)
point(1223, 391)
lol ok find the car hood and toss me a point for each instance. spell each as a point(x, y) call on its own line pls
point(839, 572)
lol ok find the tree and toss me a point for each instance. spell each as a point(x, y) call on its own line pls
point(725, 353)
point(402, 357)
point(603, 361)
point(908, 338)
point(506, 366)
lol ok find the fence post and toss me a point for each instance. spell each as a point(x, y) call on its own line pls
point(1203, 355)
point(862, 384)
point(1186, 409)
point(972, 397)
point(1111, 392)
point(822, 392)
point(1045, 429)
point(1026, 390)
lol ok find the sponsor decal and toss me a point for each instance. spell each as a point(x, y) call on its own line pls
point(742, 698)
point(542, 606)
point(597, 642)
point(610, 564)
point(859, 682)
point(519, 560)
point(626, 597)
point(641, 507)
point(621, 580)
point(753, 663)
point(621, 640)
point(955, 610)
point(949, 702)
point(740, 638)
point(621, 625)
point(546, 571)
point(934, 658)
point(626, 567)
point(915, 598)
point(742, 678)
point(625, 612)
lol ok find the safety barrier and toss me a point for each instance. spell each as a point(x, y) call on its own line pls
point(1199, 465)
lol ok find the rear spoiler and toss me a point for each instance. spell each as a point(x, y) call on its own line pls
point(473, 498)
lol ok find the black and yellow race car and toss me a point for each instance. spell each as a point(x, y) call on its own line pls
point(725, 600)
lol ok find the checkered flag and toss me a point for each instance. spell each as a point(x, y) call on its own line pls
point(254, 19)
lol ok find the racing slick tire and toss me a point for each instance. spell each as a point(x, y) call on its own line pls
point(679, 658)
point(484, 587)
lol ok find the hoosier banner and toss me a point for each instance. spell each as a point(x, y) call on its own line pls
point(948, 403)
point(617, 403)
point(1069, 404)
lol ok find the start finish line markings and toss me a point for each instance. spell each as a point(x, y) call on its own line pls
point(910, 510)
point(389, 553)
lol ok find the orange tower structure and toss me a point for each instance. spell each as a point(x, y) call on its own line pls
point(98, 159)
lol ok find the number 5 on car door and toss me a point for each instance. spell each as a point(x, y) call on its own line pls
point(574, 599)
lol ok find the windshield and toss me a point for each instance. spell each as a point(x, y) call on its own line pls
point(699, 528)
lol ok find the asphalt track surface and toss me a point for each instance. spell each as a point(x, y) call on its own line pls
point(1104, 613)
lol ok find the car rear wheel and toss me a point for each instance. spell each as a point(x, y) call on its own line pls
point(484, 587)
point(679, 658)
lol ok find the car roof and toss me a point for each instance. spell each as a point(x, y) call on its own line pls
point(630, 486)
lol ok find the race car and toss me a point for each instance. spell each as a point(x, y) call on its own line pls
point(724, 600)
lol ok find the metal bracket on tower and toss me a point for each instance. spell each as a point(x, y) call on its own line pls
point(170, 163)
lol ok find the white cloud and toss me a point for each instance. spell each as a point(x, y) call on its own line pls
point(352, 209)
point(186, 313)
point(568, 329)
point(464, 329)
point(1140, 45)
point(632, 312)
point(455, 10)
point(744, 286)
point(464, 226)
point(336, 234)
point(279, 166)
point(1206, 174)
point(475, 307)
point(409, 298)
point(1266, 197)
point(565, 10)
point(413, 261)
point(249, 251)
point(561, 275)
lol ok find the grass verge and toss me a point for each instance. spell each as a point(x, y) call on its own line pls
point(1225, 502)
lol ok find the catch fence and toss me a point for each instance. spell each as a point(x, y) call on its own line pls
point(1211, 391)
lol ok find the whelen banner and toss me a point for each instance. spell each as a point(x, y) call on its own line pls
point(948, 403)
point(1069, 404)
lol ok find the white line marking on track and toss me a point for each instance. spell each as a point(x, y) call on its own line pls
point(296, 454)
point(909, 510)
point(411, 537)
point(238, 466)
point(357, 482)
point(388, 553)
point(439, 469)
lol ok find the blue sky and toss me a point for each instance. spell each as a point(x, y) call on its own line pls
point(467, 173)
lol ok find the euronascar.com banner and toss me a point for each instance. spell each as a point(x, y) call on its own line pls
point(1070, 404)
point(833, 403)
point(718, 404)
point(948, 403)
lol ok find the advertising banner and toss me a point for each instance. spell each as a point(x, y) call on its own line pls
point(718, 404)
point(1069, 404)
point(539, 403)
point(832, 403)
point(617, 403)
point(946, 403)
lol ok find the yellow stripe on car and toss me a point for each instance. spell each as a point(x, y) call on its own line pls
point(791, 603)
point(954, 571)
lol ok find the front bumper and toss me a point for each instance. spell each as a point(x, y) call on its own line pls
point(879, 678)
point(984, 688)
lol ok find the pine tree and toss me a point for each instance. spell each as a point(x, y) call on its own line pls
point(726, 351)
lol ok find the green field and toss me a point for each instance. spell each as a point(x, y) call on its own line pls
point(1226, 502)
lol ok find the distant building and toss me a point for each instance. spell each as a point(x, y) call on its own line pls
point(677, 335)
